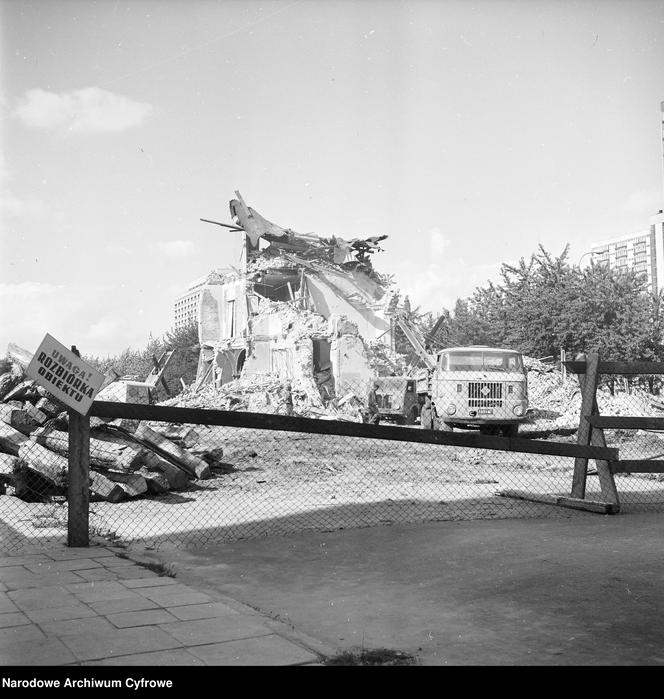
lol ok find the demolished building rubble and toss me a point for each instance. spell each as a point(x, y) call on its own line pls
point(128, 459)
point(304, 309)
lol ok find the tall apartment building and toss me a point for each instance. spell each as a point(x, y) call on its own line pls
point(642, 252)
point(185, 307)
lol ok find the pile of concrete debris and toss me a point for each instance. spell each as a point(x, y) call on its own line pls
point(555, 398)
point(128, 459)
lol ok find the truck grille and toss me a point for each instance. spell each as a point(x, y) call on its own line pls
point(485, 394)
point(384, 401)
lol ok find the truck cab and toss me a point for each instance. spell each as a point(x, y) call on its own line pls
point(397, 399)
point(479, 387)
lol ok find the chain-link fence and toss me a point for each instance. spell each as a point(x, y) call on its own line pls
point(264, 455)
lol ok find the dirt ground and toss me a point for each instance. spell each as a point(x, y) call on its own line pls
point(277, 482)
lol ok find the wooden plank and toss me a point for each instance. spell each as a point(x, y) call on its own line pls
point(623, 422)
point(625, 368)
point(607, 483)
point(588, 389)
point(284, 423)
point(605, 508)
point(78, 493)
point(637, 466)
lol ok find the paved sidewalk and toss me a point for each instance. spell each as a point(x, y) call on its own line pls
point(95, 606)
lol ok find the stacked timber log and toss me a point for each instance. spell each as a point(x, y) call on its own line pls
point(128, 459)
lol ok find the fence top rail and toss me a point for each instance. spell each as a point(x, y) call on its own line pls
point(262, 421)
point(624, 368)
point(626, 422)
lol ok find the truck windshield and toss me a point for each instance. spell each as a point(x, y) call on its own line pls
point(477, 360)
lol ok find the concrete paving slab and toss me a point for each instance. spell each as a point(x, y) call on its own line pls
point(46, 651)
point(150, 582)
point(42, 580)
point(118, 562)
point(98, 591)
point(143, 639)
point(97, 574)
point(71, 610)
point(136, 573)
point(142, 618)
point(12, 561)
point(41, 597)
point(65, 553)
point(269, 650)
point(9, 573)
point(205, 631)
point(209, 610)
point(6, 604)
point(57, 566)
point(69, 627)
point(166, 590)
point(180, 598)
point(168, 658)
point(13, 619)
point(16, 634)
point(123, 604)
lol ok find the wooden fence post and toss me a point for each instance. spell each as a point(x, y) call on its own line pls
point(588, 382)
point(594, 436)
point(78, 492)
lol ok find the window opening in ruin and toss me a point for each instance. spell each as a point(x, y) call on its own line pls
point(230, 317)
point(240, 363)
point(274, 284)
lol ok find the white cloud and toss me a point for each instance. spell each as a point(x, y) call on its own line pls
point(88, 110)
point(438, 285)
point(645, 201)
point(26, 290)
point(437, 242)
point(175, 248)
point(105, 328)
point(12, 205)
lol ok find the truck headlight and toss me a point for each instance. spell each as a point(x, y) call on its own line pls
point(518, 410)
point(451, 409)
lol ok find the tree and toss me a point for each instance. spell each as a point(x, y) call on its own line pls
point(544, 304)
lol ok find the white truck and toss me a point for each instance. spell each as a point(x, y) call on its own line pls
point(474, 387)
point(479, 387)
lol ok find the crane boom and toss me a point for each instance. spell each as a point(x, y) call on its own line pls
point(413, 337)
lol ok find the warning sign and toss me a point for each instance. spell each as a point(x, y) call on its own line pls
point(65, 375)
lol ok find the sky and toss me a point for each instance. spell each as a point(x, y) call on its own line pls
point(469, 133)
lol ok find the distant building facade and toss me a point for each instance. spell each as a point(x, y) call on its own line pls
point(642, 252)
point(185, 307)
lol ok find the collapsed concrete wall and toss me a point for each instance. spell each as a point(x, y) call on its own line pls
point(332, 294)
point(222, 312)
point(305, 308)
